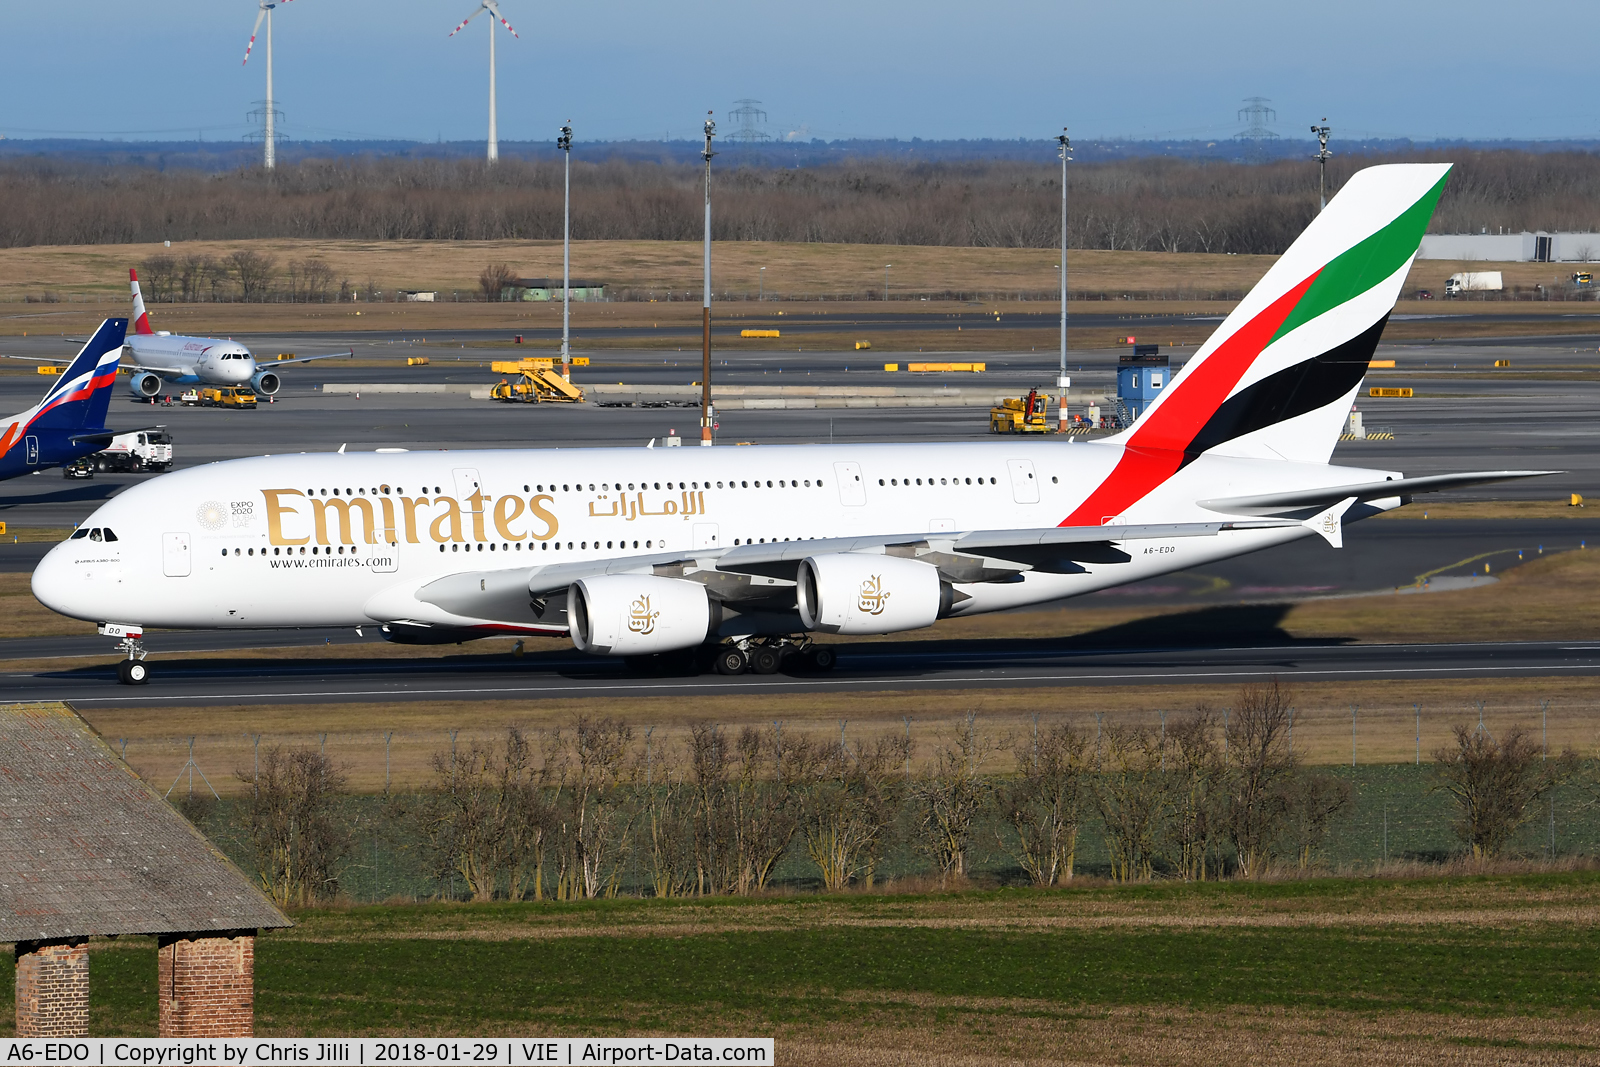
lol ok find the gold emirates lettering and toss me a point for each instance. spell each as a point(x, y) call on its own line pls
point(442, 518)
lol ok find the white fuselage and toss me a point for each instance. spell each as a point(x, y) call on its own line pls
point(340, 539)
point(193, 360)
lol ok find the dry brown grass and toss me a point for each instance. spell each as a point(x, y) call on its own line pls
point(911, 1030)
point(96, 273)
point(355, 732)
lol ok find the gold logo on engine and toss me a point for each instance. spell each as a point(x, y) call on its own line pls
point(873, 595)
point(641, 620)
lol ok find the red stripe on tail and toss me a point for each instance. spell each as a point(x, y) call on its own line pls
point(1155, 450)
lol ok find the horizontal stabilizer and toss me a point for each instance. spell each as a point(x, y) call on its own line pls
point(1328, 523)
point(1322, 497)
point(105, 436)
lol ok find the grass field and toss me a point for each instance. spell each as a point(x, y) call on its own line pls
point(1460, 970)
point(1015, 279)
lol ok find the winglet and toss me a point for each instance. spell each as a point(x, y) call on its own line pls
point(1329, 523)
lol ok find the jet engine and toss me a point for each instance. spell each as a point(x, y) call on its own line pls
point(854, 593)
point(266, 383)
point(144, 384)
point(637, 614)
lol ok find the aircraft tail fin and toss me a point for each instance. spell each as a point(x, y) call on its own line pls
point(81, 396)
point(141, 317)
point(1277, 378)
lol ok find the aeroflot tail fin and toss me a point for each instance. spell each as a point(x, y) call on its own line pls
point(80, 397)
point(141, 318)
point(1277, 378)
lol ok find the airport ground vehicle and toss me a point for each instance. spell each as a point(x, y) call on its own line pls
point(82, 467)
point(142, 450)
point(1029, 414)
point(670, 556)
point(536, 382)
point(231, 396)
point(1473, 281)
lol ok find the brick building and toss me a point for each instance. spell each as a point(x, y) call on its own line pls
point(87, 849)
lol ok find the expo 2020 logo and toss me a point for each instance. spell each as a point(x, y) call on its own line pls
point(212, 515)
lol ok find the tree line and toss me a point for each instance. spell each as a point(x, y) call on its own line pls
point(566, 814)
point(1146, 204)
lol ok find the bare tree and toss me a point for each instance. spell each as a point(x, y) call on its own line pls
point(198, 277)
point(309, 281)
point(295, 835)
point(252, 273)
point(1311, 802)
point(488, 818)
point(158, 279)
point(595, 815)
point(1131, 794)
point(1494, 783)
point(1194, 765)
point(952, 794)
point(1259, 764)
point(1043, 804)
point(495, 280)
point(765, 821)
point(848, 800)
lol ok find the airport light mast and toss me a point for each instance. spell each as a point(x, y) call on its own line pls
point(564, 142)
point(1062, 381)
point(1322, 160)
point(707, 415)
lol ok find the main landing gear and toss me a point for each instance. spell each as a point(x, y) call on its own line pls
point(132, 670)
point(772, 654)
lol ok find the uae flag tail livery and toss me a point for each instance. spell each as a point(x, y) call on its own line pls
point(1277, 379)
point(738, 558)
point(70, 421)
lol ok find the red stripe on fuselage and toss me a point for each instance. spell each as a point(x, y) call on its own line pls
point(1155, 451)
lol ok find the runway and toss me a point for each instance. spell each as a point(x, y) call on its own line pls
point(930, 665)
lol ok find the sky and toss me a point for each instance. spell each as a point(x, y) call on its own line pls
point(832, 69)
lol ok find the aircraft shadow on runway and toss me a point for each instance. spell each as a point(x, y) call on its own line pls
point(72, 494)
point(1225, 626)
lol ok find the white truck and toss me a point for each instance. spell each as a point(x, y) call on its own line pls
point(143, 450)
point(1473, 281)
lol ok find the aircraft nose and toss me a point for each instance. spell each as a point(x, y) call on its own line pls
point(60, 585)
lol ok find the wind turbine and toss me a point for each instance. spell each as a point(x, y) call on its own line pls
point(493, 9)
point(271, 160)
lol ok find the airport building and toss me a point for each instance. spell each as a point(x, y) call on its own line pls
point(1540, 247)
point(550, 289)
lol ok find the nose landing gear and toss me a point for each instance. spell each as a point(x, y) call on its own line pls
point(133, 670)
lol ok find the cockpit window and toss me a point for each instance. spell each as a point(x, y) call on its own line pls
point(109, 535)
point(82, 531)
point(95, 535)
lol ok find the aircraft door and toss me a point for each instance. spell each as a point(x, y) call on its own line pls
point(1024, 483)
point(33, 450)
point(466, 485)
point(175, 556)
point(705, 535)
point(852, 490)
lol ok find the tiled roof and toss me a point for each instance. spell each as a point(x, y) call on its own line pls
point(86, 847)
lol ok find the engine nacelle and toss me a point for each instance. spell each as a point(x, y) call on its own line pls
point(145, 384)
point(637, 614)
point(854, 593)
point(266, 383)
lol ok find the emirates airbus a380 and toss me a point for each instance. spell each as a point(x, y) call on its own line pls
point(737, 556)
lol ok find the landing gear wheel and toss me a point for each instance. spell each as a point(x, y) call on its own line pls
point(132, 672)
point(730, 661)
point(823, 659)
point(765, 659)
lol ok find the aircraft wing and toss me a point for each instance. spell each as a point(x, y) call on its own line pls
point(36, 359)
point(1302, 499)
point(265, 364)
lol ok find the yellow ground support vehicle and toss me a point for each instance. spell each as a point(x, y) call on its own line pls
point(232, 396)
point(1027, 414)
point(537, 382)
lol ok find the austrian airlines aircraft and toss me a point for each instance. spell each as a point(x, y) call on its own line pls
point(737, 556)
point(71, 419)
point(161, 358)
